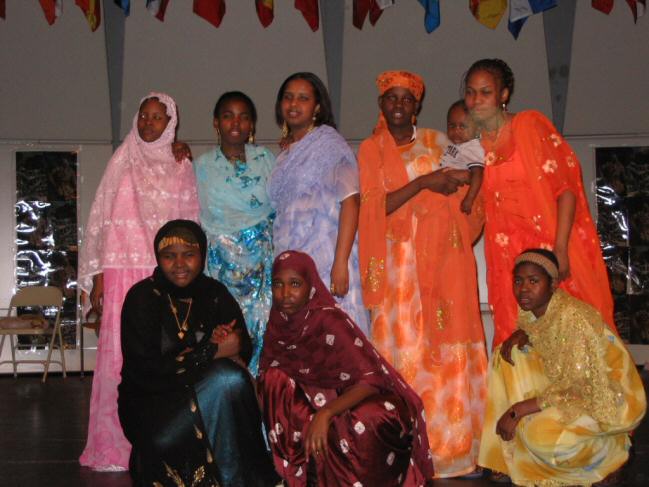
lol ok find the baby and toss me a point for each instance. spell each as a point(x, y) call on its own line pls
point(465, 151)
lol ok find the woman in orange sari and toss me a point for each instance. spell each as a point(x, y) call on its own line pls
point(534, 198)
point(418, 272)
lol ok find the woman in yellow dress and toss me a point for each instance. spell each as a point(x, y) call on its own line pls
point(564, 393)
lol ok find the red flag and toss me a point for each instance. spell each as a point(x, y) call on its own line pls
point(211, 10)
point(309, 9)
point(637, 7)
point(157, 8)
point(92, 10)
point(3, 9)
point(362, 8)
point(52, 9)
point(603, 5)
point(265, 11)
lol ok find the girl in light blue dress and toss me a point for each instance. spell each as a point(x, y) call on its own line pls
point(235, 212)
point(315, 192)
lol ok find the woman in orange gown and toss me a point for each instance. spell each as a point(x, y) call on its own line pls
point(534, 198)
point(418, 272)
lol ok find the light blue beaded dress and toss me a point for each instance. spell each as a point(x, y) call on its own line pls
point(310, 180)
point(238, 220)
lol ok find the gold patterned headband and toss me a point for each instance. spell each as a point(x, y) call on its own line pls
point(542, 261)
point(173, 240)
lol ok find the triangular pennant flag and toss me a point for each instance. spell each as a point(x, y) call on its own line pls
point(360, 11)
point(3, 9)
point(520, 10)
point(309, 9)
point(211, 10)
point(604, 6)
point(377, 8)
point(265, 11)
point(125, 5)
point(637, 7)
point(92, 10)
point(51, 9)
point(374, 7)
point(488, 12)
point(157, 8)
point(432, 15)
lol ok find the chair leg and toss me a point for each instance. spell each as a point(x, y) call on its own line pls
point(49, 355)
point(13, 355)
point(62, 351)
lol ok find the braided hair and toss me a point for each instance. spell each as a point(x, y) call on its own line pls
point(498, 69)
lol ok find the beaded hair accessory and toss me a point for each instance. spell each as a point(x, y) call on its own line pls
point(173, 240)
point(542, 261)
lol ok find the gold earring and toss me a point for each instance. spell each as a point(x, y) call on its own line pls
point(414, 119)
point(251, 135)
point(285, 130)
point(504, 107)
point(218, 136)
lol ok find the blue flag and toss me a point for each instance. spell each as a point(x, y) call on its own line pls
point(520, 10)
point(432, 17)
point(125, 5)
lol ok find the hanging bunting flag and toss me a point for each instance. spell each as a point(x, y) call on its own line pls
point(432, 16)
point(265, 12)
point(211, 10)
point(637, 7)
point(604, 6)
point(3, 9)
point(92, 10)
point(374, 7)
point(125, 5)
point(488, 12)
point(52, 9)
point(157, 8)
point(309, 9)
point(520, 10)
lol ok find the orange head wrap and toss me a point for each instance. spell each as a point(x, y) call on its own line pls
point(400, 79)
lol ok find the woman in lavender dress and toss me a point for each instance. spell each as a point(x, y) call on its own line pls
point(314, 190)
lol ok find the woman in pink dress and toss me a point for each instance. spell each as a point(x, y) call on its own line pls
point(142, 188)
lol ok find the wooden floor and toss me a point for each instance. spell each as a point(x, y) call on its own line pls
point(43, 430)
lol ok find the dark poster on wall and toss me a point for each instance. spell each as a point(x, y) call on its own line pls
point(623, 226)
point(46, 229)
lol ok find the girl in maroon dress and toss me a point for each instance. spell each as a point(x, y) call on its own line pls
point(336, 412)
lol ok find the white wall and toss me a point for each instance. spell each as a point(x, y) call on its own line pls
point(54, 88)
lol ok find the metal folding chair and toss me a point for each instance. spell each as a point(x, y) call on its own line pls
point(14, 325)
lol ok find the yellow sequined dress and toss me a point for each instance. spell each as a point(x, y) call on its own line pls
point(590, 393)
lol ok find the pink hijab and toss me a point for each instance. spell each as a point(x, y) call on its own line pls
point(142, 188)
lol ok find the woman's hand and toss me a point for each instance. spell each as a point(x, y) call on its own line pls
point(221, 332)
point(228, 340)
point(439, 182)
point(97, 294)
point(506, 425)
point(181, 151)
point(519, 339)
point(315, 441)
point(339, 278)
point(564, 262)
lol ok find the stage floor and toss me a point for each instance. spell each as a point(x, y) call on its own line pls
point(43, 431)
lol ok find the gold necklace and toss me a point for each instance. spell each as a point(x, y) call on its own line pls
point(182, 329)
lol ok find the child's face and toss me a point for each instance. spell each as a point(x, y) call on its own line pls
point(290, 291)
point(152, 120)
point(460, 126)
point(533, 288)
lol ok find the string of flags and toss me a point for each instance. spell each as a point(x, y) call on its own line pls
point(487, 12)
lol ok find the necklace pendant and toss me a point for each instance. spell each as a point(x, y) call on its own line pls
point(181, 334)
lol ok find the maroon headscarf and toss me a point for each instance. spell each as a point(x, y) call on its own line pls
point(324, 351)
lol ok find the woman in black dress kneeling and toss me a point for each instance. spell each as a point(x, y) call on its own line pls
point(186, 401)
